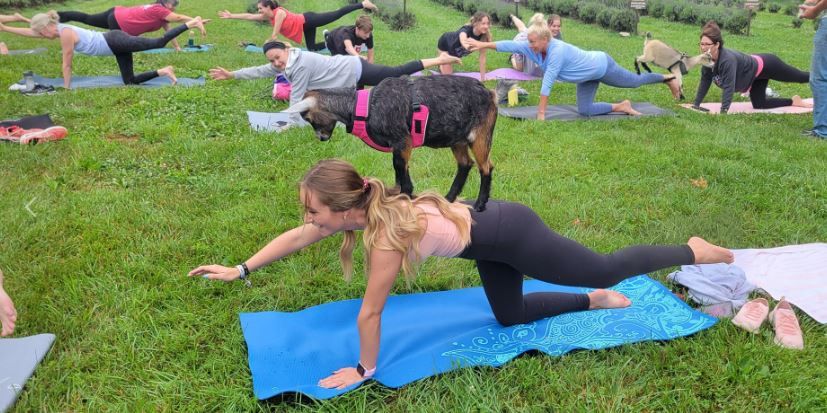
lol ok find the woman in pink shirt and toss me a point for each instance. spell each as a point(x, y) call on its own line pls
point(133, 21)
point(293, 25)
point(507, 241)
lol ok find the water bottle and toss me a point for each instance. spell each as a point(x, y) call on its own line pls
point(28, 78)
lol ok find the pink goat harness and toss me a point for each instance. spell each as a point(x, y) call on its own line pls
point(419, 121)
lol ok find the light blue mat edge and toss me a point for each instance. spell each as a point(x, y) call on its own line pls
point(186, 49)
point(314, 391)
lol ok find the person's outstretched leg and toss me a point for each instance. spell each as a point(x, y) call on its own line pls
point(100, 20)
point(373, 73)
point(619, 77)
point(120, 42)
point(526, 244)
point(313, 20)
point(521, 27)
point(8, 314)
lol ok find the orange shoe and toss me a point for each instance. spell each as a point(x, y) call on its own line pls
point(787, 331)
point(55, 133)
point(11, 133)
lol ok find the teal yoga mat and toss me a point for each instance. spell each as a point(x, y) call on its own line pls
point(432, 333)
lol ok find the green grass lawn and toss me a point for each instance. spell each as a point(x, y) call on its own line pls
point(153, 182)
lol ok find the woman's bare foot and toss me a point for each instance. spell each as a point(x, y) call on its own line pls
point(368, 5)
point(706, 253)
point(169, 72)
point(625, 107)
point(672, 83)
point(8, 315)
point(199, 23)
point(797, 101)
point(21, 18)
point(607, 299)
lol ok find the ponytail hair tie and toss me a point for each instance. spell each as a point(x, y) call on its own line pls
point(365, 184)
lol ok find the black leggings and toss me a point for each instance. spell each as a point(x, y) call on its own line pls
point(509, 240)
point(774, 69)
point(105, 20)
point(372, 73)
point(312, 21)
point(123, 45)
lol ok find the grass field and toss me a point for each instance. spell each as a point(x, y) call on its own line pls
point(153, 182)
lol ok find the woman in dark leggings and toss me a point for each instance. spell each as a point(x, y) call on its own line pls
point(292, 25)
point(738, 72)
point(135, 20)
point(113, 43)
point(507, 241)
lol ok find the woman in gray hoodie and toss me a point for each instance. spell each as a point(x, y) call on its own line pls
point(312, 71)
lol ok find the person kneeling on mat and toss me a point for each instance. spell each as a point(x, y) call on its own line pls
point(588, 69)
point(116, 42)
point(308, 71)
point(507, 241)
point(8, 315)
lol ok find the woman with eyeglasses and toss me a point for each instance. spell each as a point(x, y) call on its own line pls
point(133, 21)
point(734, 71)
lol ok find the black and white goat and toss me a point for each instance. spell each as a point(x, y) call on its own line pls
point(461, 114)
point(662, 55)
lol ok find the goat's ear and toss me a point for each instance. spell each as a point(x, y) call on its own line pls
point(305, 105)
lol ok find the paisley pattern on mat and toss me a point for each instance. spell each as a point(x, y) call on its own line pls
point(655, 314)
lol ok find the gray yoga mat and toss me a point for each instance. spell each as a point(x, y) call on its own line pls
point(18, 359)
point(112, 81)
point(569, 112)
point(39, 50)
point(273, 122)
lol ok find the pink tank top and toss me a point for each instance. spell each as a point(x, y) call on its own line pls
point(292, 27)
point(441, 238)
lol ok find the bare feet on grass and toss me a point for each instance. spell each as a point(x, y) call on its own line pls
point(21, 18)
point(169, 72)
point(607, 299)
point(706, 253)
point(625, 107)
point(797, 101)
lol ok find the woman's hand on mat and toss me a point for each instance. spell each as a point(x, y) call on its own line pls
point(341, 378)
point(541, 116)
point(216, 272)
point(220, 73)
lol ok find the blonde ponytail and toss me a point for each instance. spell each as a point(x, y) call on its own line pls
point(539, 27)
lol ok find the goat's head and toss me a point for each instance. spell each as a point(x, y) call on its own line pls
point(706, 60)
point(322, 121)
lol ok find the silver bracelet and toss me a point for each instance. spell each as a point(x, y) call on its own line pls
point(242, 274)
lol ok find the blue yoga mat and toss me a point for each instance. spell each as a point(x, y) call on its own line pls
point(432, 333)
point(39, 50)
point(196, 49)
point(112, 81)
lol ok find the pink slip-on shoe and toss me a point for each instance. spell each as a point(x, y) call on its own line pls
point(752, 315)
point(54, 133)
point(787, 331)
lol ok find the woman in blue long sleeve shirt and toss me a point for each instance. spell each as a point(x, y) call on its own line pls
point(588, 69)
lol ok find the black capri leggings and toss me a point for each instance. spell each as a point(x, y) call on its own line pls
point(372, 73)
point(105, 20)
point(509, 240)
point(774, 69)
point(123, 45)
point(312, 21)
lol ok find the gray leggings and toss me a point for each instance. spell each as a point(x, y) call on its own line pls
point(509, 240)
point(615, 76)
point(123, 45)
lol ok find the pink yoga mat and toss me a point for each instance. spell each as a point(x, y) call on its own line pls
point(501, 73)
point(746, 107)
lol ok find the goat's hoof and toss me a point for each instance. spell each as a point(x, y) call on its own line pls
point(479, 207)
